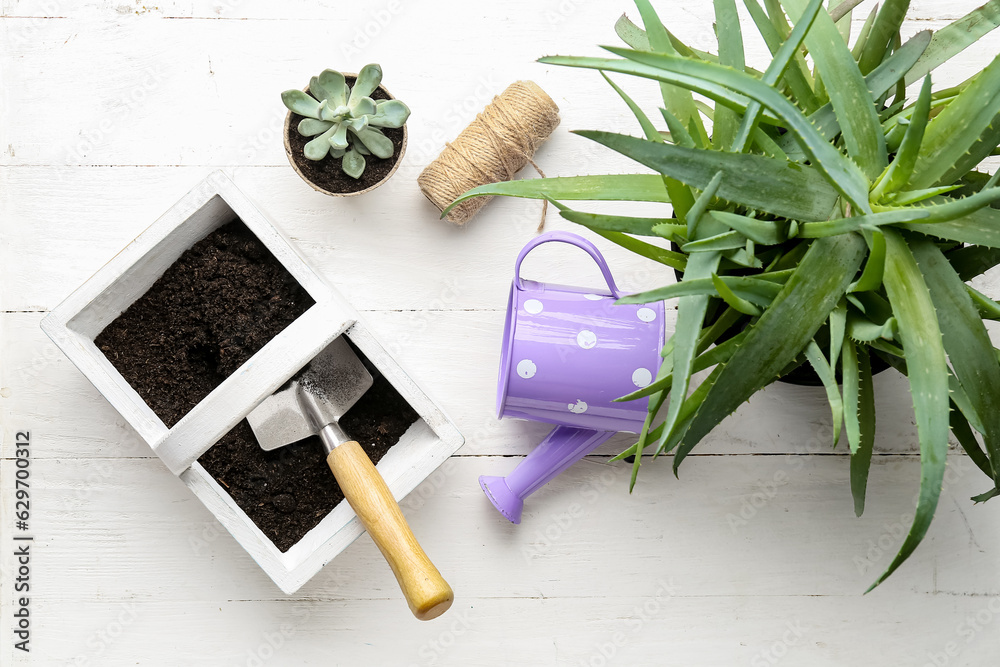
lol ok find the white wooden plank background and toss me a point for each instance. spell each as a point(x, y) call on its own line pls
point(112, 110)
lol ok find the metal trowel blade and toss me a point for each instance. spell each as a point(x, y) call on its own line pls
point(336, 378)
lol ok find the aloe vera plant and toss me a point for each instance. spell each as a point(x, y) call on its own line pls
point(822, 218)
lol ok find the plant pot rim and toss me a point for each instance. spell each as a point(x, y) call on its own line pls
point(286, 129)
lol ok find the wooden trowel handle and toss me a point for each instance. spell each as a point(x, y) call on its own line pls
point(426, 591)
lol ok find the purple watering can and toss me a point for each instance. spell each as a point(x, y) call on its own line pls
point(568, 352)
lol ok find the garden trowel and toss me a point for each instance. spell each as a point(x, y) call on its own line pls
point(312, 404)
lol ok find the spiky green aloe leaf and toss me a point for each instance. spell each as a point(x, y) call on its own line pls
point(955, 38)
point(677, 100)
point(674, 260)
point(779, 65)
point(879, 81)
point(765, 232)
point(859, 412)
point(690, 316)
point(680, 195)
point(981, 227)
point(871, 277)
point(829, 379)
point(718, 354)
point(971, 261)
point(606, 187)
point(863, 34)
point(987, 307)
point(967, 439)
point(886, 25)
point(840, 171)
point(619, 223)
point(946, 209)
point(853, 104)
point(778, 21)
point(797, 76)
point(842, 9)
point(898, 173)
point(730, 40)
point(815, 230)
point(782, 332)
point(907, 197)
point(844, 26)
point(838, 330)
point(783, 188)
point(636, 38)
point(652, 409)
point(700, 205)
point(667, 440)
point(948, 139)
point(732, 300)
point(966, 340)
point(864, 330)
point(927, 370)
point(648, 129)
point(728, 240)
point(983, 497)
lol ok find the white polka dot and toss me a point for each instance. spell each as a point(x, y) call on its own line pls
point(646, 314)
point(642, 377)
point(526, 368)
point(593, 297)
point(578, 407)
point(533, 306)
point(586, 339)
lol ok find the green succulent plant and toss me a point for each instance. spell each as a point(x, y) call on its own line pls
point(346, 121)
point(826, 219)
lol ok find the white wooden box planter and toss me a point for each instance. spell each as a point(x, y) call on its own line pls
point(74, 324)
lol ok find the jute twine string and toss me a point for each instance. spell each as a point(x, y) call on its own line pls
point(494, 147)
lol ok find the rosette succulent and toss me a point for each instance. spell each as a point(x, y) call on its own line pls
point(830, 215)
point(344, 121)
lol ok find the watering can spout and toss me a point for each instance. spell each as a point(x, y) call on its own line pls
point(505, 500)
point(562, 447)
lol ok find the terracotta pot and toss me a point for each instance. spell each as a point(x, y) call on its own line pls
point(295, 156)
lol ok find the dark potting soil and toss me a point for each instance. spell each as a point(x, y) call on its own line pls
point(213, 309)
point(327, 173)
point(217, 305)
point(289, 490)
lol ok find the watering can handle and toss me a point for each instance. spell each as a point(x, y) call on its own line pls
point(572, 239)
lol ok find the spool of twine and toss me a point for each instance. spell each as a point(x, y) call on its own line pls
point(495, 146)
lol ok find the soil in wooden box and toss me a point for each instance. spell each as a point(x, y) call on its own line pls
point(210, 312)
